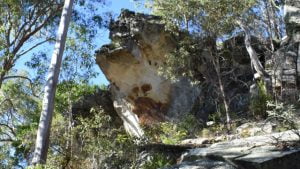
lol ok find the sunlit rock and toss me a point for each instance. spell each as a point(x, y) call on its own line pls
point(131, 62)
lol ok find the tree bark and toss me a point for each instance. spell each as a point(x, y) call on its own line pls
point(43, 133)
point(223, 94)
point(253, 55)
point(269, 23)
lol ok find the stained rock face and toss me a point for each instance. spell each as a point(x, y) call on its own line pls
point(131, 62)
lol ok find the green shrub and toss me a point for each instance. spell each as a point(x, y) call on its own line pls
point(157, 161)
point(165, 132)
point(94, 142)
point(258, 104)
point(282, 116)
point(173, 133)
point(191, 125)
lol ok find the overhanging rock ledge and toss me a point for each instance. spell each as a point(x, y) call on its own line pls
point(131, 61)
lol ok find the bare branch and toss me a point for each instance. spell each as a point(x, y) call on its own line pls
point(34, 46)
point(30, 18)
point(22, 77)
point(10, 128)
point(6, 140)
point(274, 5)
point(28, 33)
point(27, 36)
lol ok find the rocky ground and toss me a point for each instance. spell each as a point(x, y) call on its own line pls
point(272, 151)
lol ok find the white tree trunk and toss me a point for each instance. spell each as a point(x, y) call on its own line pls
point(253, 55)
point(43, 133)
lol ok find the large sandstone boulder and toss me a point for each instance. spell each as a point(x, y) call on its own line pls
point(131, 62)
point(142, 96)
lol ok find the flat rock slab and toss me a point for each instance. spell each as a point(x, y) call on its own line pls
point(272, 151)
point(203, 164)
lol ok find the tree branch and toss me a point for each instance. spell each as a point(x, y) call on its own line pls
point(22, 77)
point(274, 5)
point(8, 31)
point(10, 128)
point(36, 45)
point(28, 33)
point(6, 140)
point(27, 36)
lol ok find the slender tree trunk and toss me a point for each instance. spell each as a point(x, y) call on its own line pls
point(253, 55)
point(276, 23)
point(2, 74)
point(216, 63)
point(43, 133)
point(269, 23)
point(225, 101)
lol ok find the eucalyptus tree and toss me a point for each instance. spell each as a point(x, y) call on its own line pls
point(27, 33)
point(28, 28)
point(43, 133)
point(23, 24)
point(209, 21)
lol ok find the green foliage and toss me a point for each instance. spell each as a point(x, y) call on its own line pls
point(19, 114)
point(157, 161)
point(29, 27)
point(184, 60)
point(190, 124)
point(18, 124)
point(211, 17)
point(282, 116)
point(103, 87)
point(258, 105)
point(173, 133)
point(27, 30)
point(165, 132)
point(175, 12)
point(97, 141)
point(93, 142)
point(68, 92)
point(25, 21)
point(78, 60)
point(215, 117)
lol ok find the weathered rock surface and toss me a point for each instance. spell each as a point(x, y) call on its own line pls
point(272, 151)
point(142, 96)
point(285, 67)
point(131, 62)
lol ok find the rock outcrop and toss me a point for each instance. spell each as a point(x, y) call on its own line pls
point(141, 95)
point(131, 62)
point(284, 67)
point(277, 150)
